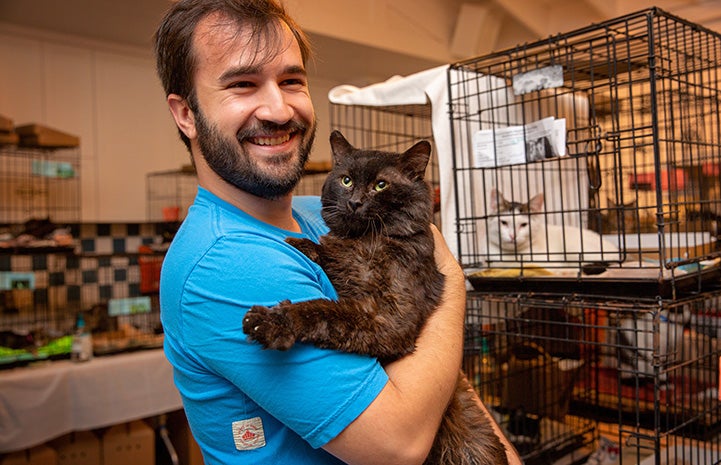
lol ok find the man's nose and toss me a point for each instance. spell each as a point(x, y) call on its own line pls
point(273, 105)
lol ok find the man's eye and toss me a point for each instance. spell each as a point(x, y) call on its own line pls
point(241, 84)
point(346, 181)
point(381, 186)
point(294, 82)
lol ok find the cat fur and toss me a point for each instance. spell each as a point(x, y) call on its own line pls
point(379, 257)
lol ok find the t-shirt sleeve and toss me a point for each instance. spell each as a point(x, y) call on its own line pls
point(315, 392)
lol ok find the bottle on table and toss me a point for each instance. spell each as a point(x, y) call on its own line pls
point(82, 348)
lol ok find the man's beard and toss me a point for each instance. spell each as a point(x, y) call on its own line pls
point(231, 162)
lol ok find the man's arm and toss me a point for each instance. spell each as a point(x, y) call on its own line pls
point(511, 452)
point(399, 426)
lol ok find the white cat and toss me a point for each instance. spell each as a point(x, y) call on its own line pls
point(519, 235)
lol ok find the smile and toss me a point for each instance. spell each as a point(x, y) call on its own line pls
point(277, 140)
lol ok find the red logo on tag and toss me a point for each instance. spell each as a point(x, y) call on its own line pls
point(248, 434)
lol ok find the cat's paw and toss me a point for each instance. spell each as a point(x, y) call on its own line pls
point(271, 328)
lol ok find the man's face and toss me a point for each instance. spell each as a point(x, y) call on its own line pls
point(253, 114)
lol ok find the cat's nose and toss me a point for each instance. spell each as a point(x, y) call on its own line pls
point(354, 205)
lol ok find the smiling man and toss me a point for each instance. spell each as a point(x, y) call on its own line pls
point(234, 75)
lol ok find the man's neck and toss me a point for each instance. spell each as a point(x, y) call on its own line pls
point(277, 212)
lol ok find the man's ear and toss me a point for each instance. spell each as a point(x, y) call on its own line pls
point(183, 115)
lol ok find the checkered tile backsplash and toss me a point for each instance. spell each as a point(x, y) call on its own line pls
point(106, 265)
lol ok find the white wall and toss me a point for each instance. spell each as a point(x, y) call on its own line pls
point(110, 97)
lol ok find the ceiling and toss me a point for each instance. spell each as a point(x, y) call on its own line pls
point(546, 17)
point(132, 22)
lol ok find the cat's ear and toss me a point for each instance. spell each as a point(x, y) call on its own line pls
point(496, 200)
point(536, 203)
point(416, 158)
point(339, 145)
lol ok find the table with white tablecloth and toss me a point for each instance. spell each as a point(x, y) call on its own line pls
point(41, 402)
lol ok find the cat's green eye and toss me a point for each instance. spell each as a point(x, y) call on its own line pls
point(346, 181)
point(381, 186)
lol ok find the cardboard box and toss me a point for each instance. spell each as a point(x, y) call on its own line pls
point(40, 455)
point(78, 448)
point(9, 138)
point(129, 444)
point(182, 439)
point(36, 135)
point(6, 124)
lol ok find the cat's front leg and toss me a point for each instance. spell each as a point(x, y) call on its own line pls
point(270, 327)
point(345, 325)
point(309, 248)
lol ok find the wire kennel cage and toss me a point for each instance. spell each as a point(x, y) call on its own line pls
point(170, 193)
point(590, 161)
point(526, 378)
point(568, 371)
point(392, 128)
point(43, 294)
point(39, 298)
point(39, 183)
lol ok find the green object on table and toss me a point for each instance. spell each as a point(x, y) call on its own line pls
point(60, 346)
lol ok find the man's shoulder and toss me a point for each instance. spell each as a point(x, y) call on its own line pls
point(307, 205)
point(307, 211)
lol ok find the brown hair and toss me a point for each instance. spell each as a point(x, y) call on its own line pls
point(174, 56)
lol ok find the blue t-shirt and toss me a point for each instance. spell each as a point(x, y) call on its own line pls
point(246, 405)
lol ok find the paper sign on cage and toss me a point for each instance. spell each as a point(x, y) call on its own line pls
point(512, 145)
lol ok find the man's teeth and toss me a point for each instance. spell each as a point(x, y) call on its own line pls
point(271, 140)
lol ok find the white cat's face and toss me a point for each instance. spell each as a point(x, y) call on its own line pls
point(510, 231)
point(510, 224)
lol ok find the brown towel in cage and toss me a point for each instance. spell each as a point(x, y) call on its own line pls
point(538, 383)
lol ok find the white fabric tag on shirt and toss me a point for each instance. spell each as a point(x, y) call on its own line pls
point(248, 434)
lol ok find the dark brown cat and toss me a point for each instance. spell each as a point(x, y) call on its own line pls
point(379, 257)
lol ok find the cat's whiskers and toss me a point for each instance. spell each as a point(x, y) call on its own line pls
point(331, 213)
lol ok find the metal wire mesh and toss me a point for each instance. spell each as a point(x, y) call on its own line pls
point(42, 294)
point(561, 364)
point(617, 125)
point(39, 183)
point(170, 193)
